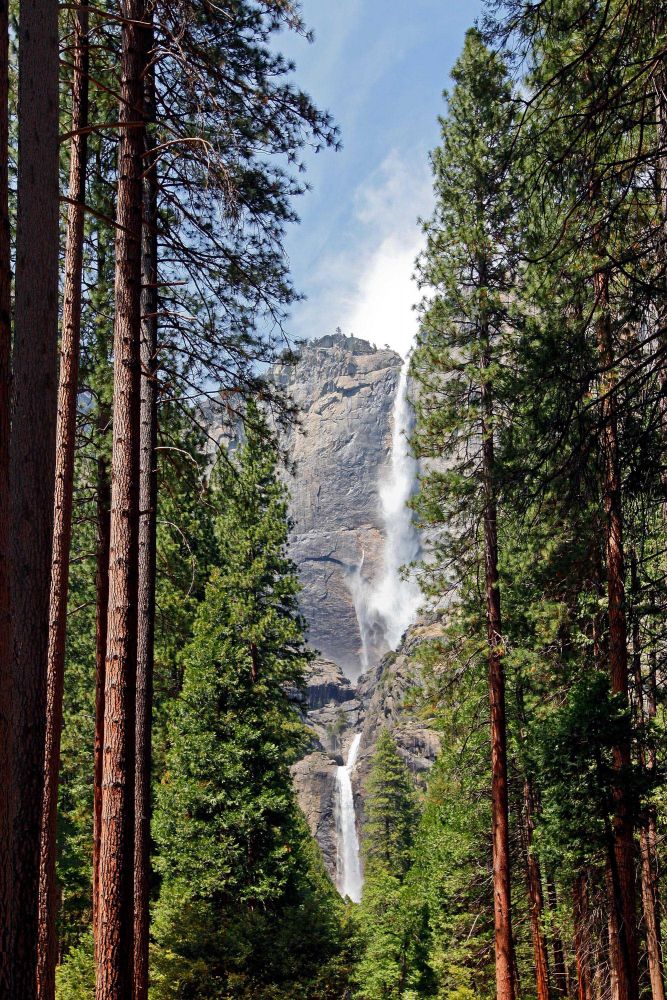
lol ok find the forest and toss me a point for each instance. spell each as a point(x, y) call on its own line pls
point(153, 646)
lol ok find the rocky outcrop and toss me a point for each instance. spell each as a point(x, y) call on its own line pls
point(386, 696)
point(344, 388)
point(314, 780)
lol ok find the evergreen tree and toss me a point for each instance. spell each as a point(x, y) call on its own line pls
point(233, 849)
point(394, 924)
point(390, 810)
point(469, 269)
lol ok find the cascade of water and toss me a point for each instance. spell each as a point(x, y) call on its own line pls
point(396, 598)
point(348, 866)
point(387, 606)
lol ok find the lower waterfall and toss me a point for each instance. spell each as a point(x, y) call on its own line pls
point(348, 866)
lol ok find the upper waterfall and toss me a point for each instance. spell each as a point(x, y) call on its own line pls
point(386, 605)
point(396, 598)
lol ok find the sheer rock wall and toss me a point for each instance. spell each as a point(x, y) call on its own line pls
point(345, 389)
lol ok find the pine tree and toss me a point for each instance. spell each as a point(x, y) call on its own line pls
point(230, 838)
point(394, 922)
point(68, 390)
point(469, 266)
point(390, 810)
point(32, 456)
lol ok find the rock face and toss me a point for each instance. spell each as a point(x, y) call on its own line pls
point(334, 711)
point(345, 390)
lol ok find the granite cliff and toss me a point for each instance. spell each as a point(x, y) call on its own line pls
point(345, 389)
point(343, 454)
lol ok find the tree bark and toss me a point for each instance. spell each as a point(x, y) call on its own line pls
point(649, 882)
point(660, 90)
point(101, 613)
point(504, 946)
point(115, 952)
point(62, 524)
point(6, 737)
point(32, 453)
point(560, 970)
point(535, 898)
point(622, 825)
point(147, 554)
point(582, 941)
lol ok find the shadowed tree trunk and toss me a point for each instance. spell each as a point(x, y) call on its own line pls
point(147, 545)
point(62, 523)
point(6, 791)
point(582, 937)
point(504, 947)
point(649, 882)
point(560, 970)
point(101, 612)
point(115, 948)
point(32, 453)
point(660, 90)
point(623, 881)
point(535, 897)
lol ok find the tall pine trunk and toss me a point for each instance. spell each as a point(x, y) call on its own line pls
point(649, 882)
point(115, 949)
point(147, 553)
point(660, 91)
point(62, 524)
point(535, 896)
point(6, 790)
point(101, 613)
point(582, 937)
point(560, 970)
point(32, 453)
point(622, 882)
point(504, 946)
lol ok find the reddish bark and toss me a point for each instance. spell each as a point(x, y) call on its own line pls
point(623, 880)
point(560, 968)
point(101, 612)
point(115, 948)
point(62, 525)
point(32, 453)
point(582, 942)
point(535, 897)
point(147, 551)
point(649, 881)
point(504, 946)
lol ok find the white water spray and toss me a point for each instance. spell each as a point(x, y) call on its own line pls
point(387, 606)
point(348, 865)
point(396, 598)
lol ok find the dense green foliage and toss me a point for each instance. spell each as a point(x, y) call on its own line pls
point(542, 328)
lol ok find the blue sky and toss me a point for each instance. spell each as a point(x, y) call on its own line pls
point(380, 67)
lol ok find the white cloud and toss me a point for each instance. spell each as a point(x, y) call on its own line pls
point(383, 311)
point(383, 293)
point(360, 277)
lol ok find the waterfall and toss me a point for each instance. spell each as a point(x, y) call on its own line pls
point(348, 865)
point(395, 598)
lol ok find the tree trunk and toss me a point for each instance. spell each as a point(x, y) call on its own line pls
point(32, 453)
point(660, 89)
point(560, 970)
point(650, 891)
point(6, 738)
point(115, 952)
point(622, 825)
point(62, 525)
point(101, 613)
point(504, 946)
point(535, 898)
point(582, 939)
point(147, 546)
